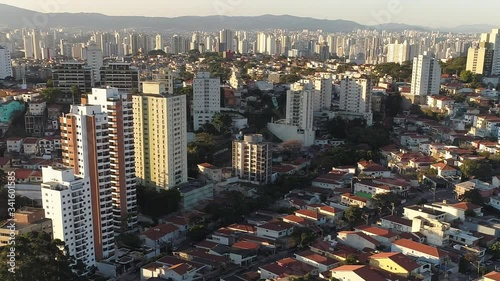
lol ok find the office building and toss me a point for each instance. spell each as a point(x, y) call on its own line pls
point(252, 159)
point(426, 76)
point(118, 107)
point(67, 201)
point(206, 98)
point(120, 75)
point(86, 149)
point(160, 133)
point(5, 63)
point(69, 74)
point(355, 99)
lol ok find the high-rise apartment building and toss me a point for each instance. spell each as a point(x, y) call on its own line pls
point(323, 94)
point(300, 105)
point(93, 54)
point(206, 98)
point(226, 40)
point(180, 45)
point(159, 42)
point(66, 199)
point(252, 159)
point(5, 63)
point(69, 74)
point(426, 76)
point(355, 98)
point(86, 149)
point(120, 75)
point(160, 133)
point(480, 59)
point(118, 107)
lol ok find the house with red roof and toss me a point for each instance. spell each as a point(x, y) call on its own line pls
point(356, 272)
point(332, 214)
point(210, 171)
point(286, 267)
point(492, 276)
point(178, 272)
point(428, 253)
point(384, 236)
point(320, 262)
point(368, 186)
point(334, 179)
point(445, 170)
point(401, 265)
point(371, 169)
point(358, 240)
point(311, 215)
point(349, 199)
point(160, 235)
point(275, 229)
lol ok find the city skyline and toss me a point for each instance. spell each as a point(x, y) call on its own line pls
point(437, 14)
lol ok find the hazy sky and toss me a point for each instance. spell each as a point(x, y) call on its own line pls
point(432, 13)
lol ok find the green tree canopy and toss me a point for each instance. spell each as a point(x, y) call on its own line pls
point(454, 66)
point(473, 196)
point(353, 215)
point(51, 95)
point(155, 204)
point(303, 237)
point(477, 169)
point(40, 258)
point(351, 260)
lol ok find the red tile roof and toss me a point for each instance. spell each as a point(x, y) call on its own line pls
point(493, 276)
point(276, 225)
point(402, 260)
point(376, 231)
point(181, 268)
point(363, 271)
point(159, 231)
point(317, 258)
point(466, 206)
point(419, 247)
point(245, 245)
point(309, 214)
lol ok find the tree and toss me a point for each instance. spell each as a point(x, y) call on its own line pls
point(353, 215)
point(495, 250)
point(75, 94)
point(473, 196)
point(223, 121)
point(50, 83)
point(470, 213)
point(454, 66)
point(466, 76)
point(50, 95)
point(155, 53)
point(303, 237)
point(40, 258)
point(156, 204)
point(351, 260)
point(386, 200)
point(198, 232)
point(476, 169)
point(130, 240)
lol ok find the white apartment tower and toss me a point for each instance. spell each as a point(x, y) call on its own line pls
point(323, 94)
point(252, 159)
point(426, 76)
point(206, 98)
point(226, 40)
point(5, 63)
point(160, 133)
point(300, 105)
point(118, 107)
point(94, 58)
point(86, 149)
point(159, 42)
point(67, 202)
point(355, 98)
point(493, 43)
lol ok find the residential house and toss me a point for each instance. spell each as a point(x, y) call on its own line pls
point(385, 237)
point(371, 169)
point(421, 251)
point(320, 262)
point(444, 170)
point(332, 214)
point(401, 265)
point(275, 229)
point(311, 215)
point(15, 145)
point(212, 172)
point(160, 235)
point(285, 267)
point(358, 240)
point(349, 199)
point(30, 146)
point(396, 223)
point(332, 180)
point(356, 272)
point(435, 231)
point(492, 276)
point(485, 189)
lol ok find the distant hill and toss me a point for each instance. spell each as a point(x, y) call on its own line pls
point(17, 17)
point(21, 18)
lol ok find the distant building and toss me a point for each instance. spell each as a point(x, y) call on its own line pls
point(5, 63)
point(252, 159)
point(426, 76)
point(206, 99)
point(355, 99)
point(120, 75)
point(69, 74)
